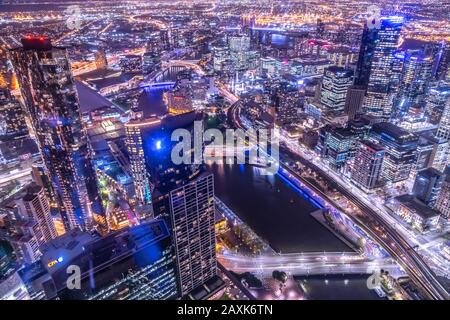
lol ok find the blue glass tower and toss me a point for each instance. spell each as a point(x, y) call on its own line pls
point(52, 105)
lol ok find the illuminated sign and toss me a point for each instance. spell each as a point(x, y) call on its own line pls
point(55, 262)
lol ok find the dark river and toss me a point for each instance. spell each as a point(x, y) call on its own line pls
point(273, 209)
point(277, 212)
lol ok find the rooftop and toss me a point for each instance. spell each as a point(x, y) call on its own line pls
point(430, 172)
point(374, 146)
point(90, 99)
point(61, 250)
point(393, 131)
point(416, 206)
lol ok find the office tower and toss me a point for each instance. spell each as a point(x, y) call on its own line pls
point(437, 97)
point(354, 100)
point(401, 150)
point(101, 61)
point(443, 200)
point(192, 217)
point(320, 29)
point(240, 54)
point(416, 75)
point(252, 59)
point(12, 287)
point(375, 63)
point(443, 62)
point(440, 154)
point(26, 248)
point(366, 52)
point(397, 74)
point(41, 177)
point(444, 122)
point(149, 145)
point(427, 186)
point(378, 45)
point(182, 194)
point(424, 155)
point(239, 43)
point(5, 69)
point(269, 67)
point(164, 35)
point(367, 166)
point(287, 104)
point(338, 147)
point(33, 205)
point(220, 55)
point(12, 117)
point(138, 166)
point(131, 264)
point(165, 174)
point(52, 105)
point(150, 62)
point(335, 83)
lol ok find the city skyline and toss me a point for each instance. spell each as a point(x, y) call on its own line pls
point(223, 150)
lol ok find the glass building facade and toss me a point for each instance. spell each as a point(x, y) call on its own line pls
point(375, 64)
point(132, 264)
point(181, 193)
point(401, 150)
point(51, 101)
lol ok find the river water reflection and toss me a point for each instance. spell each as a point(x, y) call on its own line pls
point(273, 209)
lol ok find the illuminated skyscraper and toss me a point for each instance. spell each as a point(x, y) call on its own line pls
point(149, 146)
point(131, 264)
point(192, 217)
point(443, 67)
point(435, 101)
point(52, 105)
point(427, 186)
point(444, 123)
point(416, 75)
point(239, 43)
point(33, 205)
point(339, 147)
point(335, 84)
point(287, 104)
point(12, 119)
point(401, 150)
point(367, 165)
point(354, 100)
point(180, 193)
point(165, 35)
point(141, 176)
point(374, 68)
point(443, 200)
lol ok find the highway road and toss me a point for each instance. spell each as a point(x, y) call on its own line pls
point(308, 263)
